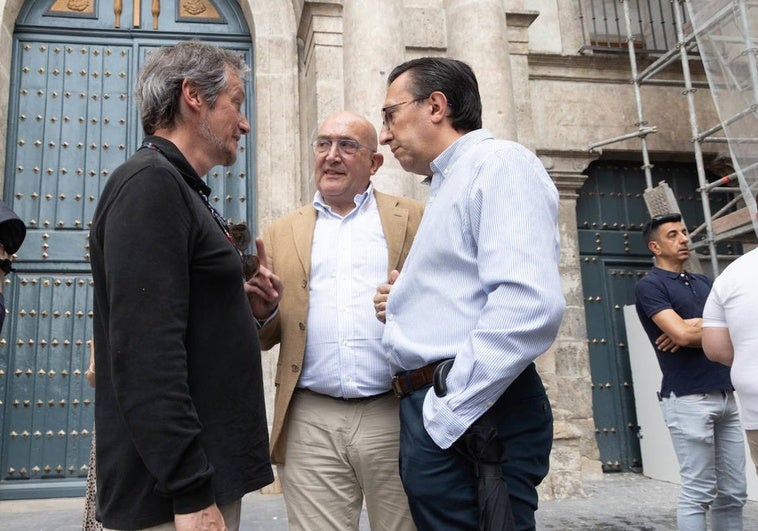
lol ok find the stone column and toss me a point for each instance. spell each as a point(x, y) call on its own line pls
point(278, 171)
point(477, 34)
point(566, 367)
point(275, 77)
point(518, 23)
point(319, 38)
point(373, 46)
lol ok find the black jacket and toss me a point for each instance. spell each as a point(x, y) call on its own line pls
point(179, 407)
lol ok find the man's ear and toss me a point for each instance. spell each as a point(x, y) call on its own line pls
point(654, 247)
point(377, 159)
point(439, 106)
point(191, 96)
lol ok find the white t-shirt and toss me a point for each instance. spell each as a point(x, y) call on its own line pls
point(733, 304)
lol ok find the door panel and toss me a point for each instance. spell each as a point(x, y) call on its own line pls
point(71, 132)
point(49, 416)
point(610, 214)
point(608, 285)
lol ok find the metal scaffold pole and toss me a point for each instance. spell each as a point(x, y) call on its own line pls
point(641, 123)
point(689, 92)
point(724, 27)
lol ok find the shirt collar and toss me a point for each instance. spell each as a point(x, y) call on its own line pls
point(669, 274)
point(360, 200)
point(177, 159)
point(445, 160)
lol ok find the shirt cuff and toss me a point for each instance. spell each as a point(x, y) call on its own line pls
point(440, 422)
point(196, 499)
point(263, 322)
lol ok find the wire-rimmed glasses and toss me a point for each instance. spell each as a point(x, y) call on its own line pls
point(345, 146)
point(388, 112)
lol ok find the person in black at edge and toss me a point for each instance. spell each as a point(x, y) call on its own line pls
point(12, 234)
point(180, 414)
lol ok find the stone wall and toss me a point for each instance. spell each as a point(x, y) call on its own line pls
point(313, 58)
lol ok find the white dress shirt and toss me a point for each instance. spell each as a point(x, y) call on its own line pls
point(343, 352)
point(481, 282)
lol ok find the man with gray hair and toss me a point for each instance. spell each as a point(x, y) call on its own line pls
point(180, 416)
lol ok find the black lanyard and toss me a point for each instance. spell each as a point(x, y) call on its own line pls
point(222, 223)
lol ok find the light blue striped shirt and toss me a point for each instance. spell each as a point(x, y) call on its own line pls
point(481, 282)
point(343, 352)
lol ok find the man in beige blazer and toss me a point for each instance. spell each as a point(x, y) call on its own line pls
point(335, 436)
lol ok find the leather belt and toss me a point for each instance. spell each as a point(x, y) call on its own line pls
point(343, 398)
point(404, 383)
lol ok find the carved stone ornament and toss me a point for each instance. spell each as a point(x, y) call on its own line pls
point(194, 7)
point(78, 5)
point(198, 11)
point(73, 8)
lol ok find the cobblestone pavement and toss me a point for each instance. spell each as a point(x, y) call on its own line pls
point(622, 502)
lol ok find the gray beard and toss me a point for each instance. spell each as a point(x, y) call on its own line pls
point(217, 144)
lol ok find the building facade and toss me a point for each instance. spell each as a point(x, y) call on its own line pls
point(553, 75)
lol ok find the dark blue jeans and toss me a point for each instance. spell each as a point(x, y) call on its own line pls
point(441, 485)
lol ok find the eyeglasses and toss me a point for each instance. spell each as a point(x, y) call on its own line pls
point(241, 238)
point(345, 146)
point(388, 112)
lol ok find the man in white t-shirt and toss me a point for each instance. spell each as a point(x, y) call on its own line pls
point(730, 336)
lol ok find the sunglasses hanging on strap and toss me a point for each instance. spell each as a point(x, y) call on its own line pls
point(239, 236)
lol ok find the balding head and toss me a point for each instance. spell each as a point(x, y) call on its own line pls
point(344, 171)
point(364, 131)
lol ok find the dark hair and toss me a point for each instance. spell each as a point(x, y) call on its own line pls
point(650, 229)
point(159, 83)
point(455, 79)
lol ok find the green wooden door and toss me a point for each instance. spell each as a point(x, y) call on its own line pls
point(610, 214)
point(72, 120)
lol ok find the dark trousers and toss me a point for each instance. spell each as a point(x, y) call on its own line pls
point(441, 485)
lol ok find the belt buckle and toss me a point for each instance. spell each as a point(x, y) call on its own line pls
point(396, 387)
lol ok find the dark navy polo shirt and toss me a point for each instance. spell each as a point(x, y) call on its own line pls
point(686, 371)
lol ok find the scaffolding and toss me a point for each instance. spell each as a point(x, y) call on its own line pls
point(725, 35)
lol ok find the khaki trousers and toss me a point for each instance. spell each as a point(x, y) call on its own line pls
point(338, 452)
point(231, 513)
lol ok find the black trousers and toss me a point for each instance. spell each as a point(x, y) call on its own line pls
point(442, 486)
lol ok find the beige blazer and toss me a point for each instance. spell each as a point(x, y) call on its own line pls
point(288, 247)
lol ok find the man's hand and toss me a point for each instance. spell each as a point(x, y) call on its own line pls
point(264, 290)
point(380, 297)
point(666, 344)
point(208, 519)
point(681, 332)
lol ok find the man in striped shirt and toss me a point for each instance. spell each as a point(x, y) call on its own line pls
point(480, 286)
